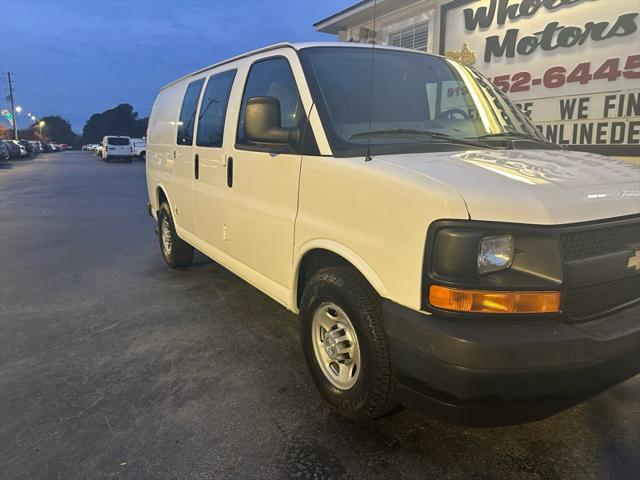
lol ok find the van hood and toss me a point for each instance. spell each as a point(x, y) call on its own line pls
point(532, 186)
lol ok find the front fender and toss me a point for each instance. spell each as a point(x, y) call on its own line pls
point(346, 253)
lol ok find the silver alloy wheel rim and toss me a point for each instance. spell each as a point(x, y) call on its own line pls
point(335, 345)
point(165, 231)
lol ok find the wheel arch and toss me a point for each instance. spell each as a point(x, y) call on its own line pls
point(321, 254)
point(161, 196)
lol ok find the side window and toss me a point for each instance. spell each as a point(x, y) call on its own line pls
point(188, 112)
point(213, 110)
point(272, 78)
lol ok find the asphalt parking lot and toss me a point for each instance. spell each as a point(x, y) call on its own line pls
point(114, 366)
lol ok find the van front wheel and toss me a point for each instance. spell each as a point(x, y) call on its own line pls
point(175, 251)
point(345, 345)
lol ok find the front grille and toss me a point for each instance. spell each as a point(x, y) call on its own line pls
point(589, 301)
point(590, 243)
point(598, 241)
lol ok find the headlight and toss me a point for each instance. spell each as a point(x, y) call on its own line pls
point(476, 263)
point(495, 253)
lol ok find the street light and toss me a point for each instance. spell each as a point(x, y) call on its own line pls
point(18, 108)
point(40, 125)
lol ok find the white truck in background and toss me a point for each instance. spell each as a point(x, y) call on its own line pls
point(139, 148)
point(116, 147)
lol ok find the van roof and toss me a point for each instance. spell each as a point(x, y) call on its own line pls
point(295, 46)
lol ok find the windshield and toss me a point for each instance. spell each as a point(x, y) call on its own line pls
point(398, 99)
point(117, 141)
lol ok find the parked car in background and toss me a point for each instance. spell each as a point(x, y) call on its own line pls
point(93, 148)
point(4, 151)
point(116, 148)
point(47, 148)
point(15, 149)
point(28, 147)
point(37, 147)
point(139, 148)
point(440, 252)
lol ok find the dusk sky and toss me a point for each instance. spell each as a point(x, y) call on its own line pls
point(77, 57)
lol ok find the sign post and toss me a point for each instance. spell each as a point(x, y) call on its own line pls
point(13, 109)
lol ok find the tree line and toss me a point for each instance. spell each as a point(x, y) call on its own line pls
point(120, 120)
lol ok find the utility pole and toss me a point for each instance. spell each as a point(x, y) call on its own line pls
point(13, 110)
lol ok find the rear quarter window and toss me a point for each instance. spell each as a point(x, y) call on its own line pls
point(188, 113)
point(117, 141)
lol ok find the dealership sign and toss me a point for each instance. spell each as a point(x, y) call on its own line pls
point(572, 65)
point(7, 114)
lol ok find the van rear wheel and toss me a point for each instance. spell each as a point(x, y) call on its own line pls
point(175, 251)
point(345, 345)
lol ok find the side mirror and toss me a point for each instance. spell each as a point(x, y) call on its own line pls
point(263, 124)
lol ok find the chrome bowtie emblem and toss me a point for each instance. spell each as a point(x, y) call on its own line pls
point(634, 260)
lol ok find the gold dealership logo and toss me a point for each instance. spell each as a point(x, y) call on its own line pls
point(634, 260)
point(466, 55)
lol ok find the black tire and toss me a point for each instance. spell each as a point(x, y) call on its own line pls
point(180, 253)
point(143, 156)
point(374, 393)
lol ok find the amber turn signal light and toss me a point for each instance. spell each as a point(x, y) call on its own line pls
point(486, 301)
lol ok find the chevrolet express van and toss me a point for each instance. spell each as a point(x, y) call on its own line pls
point(440, 253)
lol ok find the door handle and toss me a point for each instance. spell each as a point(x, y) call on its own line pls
point(230, 172)
point(196, 166)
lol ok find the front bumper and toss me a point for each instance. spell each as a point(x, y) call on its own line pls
point(493, 372)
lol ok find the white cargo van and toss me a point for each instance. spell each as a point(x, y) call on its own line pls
point(441, 254)
point(116, 147)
